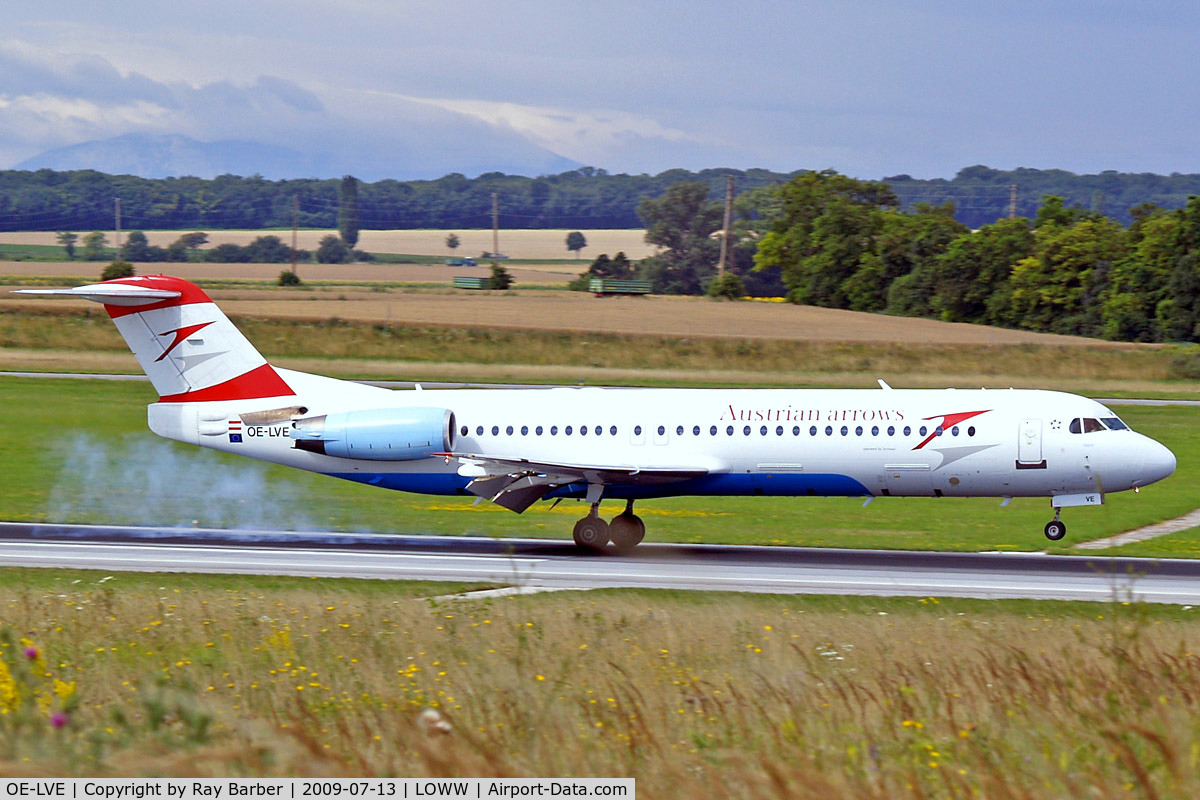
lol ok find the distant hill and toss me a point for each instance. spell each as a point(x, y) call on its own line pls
point(150, 156)
point(172, 156)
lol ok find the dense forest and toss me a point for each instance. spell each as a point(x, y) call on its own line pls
point(46, 200)
point(825, 239)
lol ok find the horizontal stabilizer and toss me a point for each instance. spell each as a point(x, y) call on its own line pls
point(111, 294)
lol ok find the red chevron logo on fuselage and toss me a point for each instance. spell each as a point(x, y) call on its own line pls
point(180, 335)
point(948, 421)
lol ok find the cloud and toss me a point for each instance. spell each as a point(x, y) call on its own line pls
point(590, 137)
point(53, 99)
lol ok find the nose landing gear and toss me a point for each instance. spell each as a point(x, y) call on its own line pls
point(1056, 528)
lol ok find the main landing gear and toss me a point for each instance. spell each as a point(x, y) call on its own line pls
point(625, 530)
point(1056, 528)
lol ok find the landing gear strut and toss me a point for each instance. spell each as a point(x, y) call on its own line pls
point(1056, 528)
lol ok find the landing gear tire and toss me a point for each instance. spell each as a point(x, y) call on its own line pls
point(1055, 530)
point(591, 533)
point(626, 531)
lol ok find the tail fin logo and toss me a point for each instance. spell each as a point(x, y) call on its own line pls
point(181, 334)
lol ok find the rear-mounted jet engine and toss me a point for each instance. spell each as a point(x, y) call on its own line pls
point(377, 434)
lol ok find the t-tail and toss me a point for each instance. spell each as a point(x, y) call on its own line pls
point(185, 344)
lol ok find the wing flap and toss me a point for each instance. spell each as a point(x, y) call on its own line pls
point(518, 483)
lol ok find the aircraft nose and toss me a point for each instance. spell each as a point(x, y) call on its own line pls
point(1157, 463)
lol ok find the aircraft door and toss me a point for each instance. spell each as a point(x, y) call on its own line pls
point(1029, 442)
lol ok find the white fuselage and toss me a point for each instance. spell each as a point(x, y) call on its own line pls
point(846, 442)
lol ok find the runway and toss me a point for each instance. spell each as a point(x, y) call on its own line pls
point(545, 564)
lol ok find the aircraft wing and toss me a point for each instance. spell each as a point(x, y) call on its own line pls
point(518, 483)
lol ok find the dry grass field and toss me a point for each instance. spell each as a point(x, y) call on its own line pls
point(580, 312)
point(535, 244)
point(525, 274)
point(694, 696)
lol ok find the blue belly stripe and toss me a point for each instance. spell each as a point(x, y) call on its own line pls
point(729, 485)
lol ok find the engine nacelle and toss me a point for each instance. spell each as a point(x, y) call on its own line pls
point(377, 434)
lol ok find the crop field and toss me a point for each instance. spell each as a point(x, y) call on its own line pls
point(80, 452)
point(517, 244)
point(695, 696)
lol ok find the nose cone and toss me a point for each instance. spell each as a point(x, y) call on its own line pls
point(1157, 463)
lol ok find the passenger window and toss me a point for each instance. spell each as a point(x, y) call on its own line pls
point(874, 430)
point(762, 431)
point(779, 430)
point(729, 431)
point(891, 430)
point(923, 430)
point(812, 431)
point(858, 431)
point(907, 431)
point(954, 431)
point(679, 431)
point(712, 431)
point(939, 430)
point(567, 430)
point(971, 431)
point(845, 430)
point(662, 430)
point(637, 430)
point(508, 430)
point(829, 430)
point(538, 430)
point(495, 430)
point(479, 431)
point(554, 430)
point(746, 431)
point(695, 430)
point(612, 430)
point(524, 430)
point(582, 430)
point(463, 431)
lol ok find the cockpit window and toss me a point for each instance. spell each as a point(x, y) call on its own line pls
point(1115, 424)
point(1086, 425)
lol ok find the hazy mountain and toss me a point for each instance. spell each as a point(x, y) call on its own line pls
point(420, 154)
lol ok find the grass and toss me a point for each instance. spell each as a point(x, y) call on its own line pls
point(692, 695)
point(79, 451)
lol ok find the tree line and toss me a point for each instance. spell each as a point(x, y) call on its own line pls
point(48, 200)
point(829, 240)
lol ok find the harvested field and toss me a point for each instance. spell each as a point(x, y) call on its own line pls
point(581, 312)
point(543, 274)
point(538, 244)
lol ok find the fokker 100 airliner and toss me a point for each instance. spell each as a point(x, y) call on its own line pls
point(515, 447)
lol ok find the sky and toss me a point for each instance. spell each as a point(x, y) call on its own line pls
point(871, 88)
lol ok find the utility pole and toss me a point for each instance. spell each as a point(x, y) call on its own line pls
point(495, 225)
point(728, 229)
point(295, 224)
point(117, 205)
point(1012, 202)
